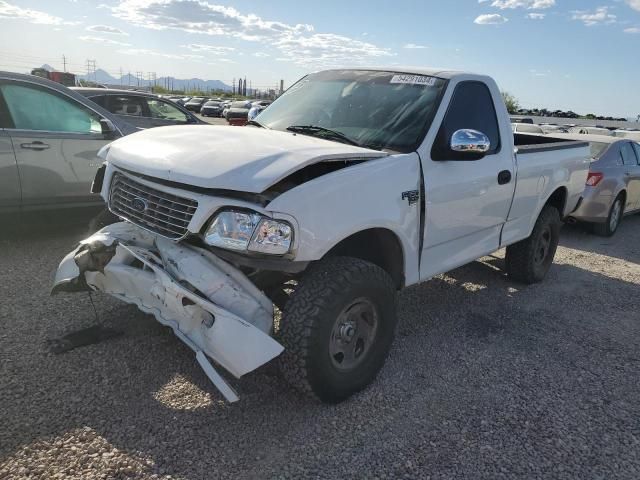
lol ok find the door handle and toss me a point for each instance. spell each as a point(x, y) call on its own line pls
point(504, 177)
point(35, 145)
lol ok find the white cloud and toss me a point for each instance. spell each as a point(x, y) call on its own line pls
point(32, 16)
point(598, 16)
point(215, 50)
point(261, 55)
point(635, 4)
point(297, 43)
point(536, 16)
point(104, 41)
point(528, 4)
point(632, 30)
point(490, 19)
point(413, 46)
point(106, 29)
point(146, 52)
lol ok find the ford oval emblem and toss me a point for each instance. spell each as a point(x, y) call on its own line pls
point(139, 205)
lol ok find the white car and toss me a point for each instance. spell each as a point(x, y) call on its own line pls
point(362, 182)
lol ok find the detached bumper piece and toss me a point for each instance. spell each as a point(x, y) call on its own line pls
point(211, 306)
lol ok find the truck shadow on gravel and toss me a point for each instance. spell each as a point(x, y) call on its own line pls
point(470, 344)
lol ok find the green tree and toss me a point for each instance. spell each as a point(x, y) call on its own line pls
point(511, 102)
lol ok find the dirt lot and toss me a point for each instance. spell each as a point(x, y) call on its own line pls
point(487, 379)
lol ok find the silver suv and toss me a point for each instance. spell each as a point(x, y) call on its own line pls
point(49, 138)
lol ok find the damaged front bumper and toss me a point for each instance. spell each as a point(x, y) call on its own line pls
point(211, 306)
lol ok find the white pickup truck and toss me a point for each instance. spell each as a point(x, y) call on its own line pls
point(351, 186)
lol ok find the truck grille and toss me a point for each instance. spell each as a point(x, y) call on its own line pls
point(160, 212)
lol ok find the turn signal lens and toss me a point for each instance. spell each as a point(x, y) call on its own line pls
point(594, 178)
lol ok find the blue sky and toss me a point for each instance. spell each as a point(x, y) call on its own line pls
point(582, 55)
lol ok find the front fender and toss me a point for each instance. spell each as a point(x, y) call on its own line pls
point(368, 195)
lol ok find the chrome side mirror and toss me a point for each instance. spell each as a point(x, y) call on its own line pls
point(468, 141)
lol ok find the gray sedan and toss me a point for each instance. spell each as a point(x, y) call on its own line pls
point(144, 110)
point(49, 138)
point(613, 184)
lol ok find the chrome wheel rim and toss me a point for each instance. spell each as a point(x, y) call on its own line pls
point(615, 215)
point(543, 247)
point(353, 334)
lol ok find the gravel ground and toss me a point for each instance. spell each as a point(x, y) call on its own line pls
point(487, 379)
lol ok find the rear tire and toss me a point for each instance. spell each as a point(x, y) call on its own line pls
point(337, 328)
point(529, 260)
point(610, 226)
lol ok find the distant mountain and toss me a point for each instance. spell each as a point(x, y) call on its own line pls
point(105, 78)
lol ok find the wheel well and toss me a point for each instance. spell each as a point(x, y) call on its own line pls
point(378, 246)
point(558, 199)
point(623, 194)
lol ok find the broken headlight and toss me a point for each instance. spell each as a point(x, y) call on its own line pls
point(249, 231)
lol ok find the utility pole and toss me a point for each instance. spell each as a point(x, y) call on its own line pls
point(120, 76)
point(64, 63)
point(139, 76)
point(91, 64)
point(129, 78)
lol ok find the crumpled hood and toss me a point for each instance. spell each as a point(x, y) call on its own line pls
point(245, 159)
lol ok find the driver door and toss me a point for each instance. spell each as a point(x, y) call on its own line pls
point(466, 201)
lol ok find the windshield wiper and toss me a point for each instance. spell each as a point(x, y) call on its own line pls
point(314, 130)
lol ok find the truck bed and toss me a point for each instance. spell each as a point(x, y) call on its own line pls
point(532, 143)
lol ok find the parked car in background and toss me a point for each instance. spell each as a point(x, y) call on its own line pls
point(238, 113)
point(582, 130)
point(178, 100)
point(630, 134)
point(195, 104)
point(49, 140)
point(526, 128)
point(613, 184)
point(212, 108)
point(143, 110)
point(521, 120)
point(553, 129)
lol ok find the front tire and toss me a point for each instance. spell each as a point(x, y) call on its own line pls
point(337, 328)
point(610, 226)
point(529, 260)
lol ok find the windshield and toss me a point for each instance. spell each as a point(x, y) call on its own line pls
point(381, 110)
point(212, 104)
point(241, 104)
point(597, 149)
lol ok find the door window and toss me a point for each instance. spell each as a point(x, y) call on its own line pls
point(165, 111)
point(132, 106)
point(636, 147)
point(628, 155)
point(34, 108)
point(471, 107)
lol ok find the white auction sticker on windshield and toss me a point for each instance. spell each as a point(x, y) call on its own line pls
point(414, 80)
